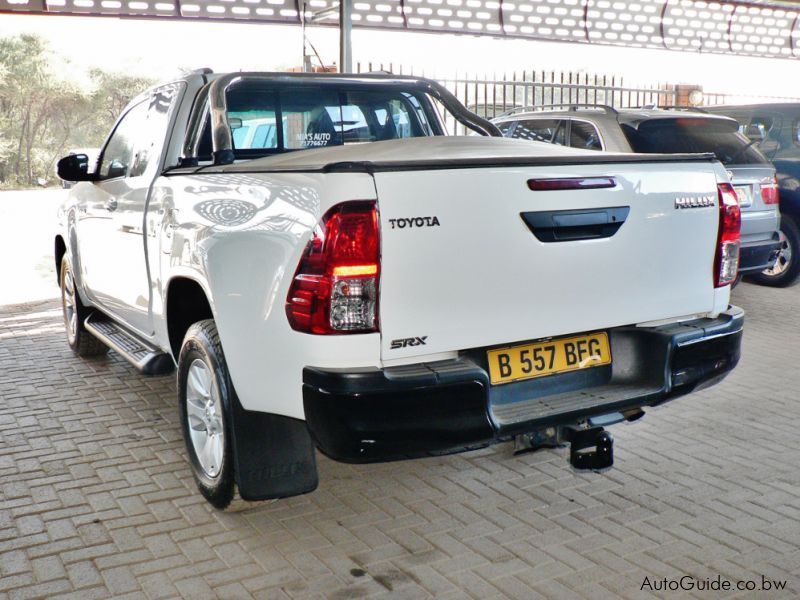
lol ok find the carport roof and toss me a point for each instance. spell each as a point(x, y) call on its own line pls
point(754, 28)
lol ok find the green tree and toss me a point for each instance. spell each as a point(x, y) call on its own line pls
point(42, 115)
point(24, 99)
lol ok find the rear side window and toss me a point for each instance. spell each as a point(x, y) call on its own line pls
point(692, 135)
point(583, 134)
point(541, 130)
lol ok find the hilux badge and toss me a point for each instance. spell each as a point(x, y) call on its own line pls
point(694, 202)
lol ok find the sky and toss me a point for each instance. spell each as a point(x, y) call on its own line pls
point(160, 49)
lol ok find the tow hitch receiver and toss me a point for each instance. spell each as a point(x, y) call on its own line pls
point(591, 448)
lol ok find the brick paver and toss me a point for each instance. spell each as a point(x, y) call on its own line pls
point(97, 500)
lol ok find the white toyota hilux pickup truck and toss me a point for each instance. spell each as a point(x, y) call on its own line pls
point(327, 269)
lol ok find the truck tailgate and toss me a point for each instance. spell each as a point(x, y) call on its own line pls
point(462, 266)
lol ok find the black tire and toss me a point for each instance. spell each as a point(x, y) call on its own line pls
point(79, 339)
point(215, 481)
point(787, 268)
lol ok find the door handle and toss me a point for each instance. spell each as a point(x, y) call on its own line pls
point(111, 204)
point(572, 225)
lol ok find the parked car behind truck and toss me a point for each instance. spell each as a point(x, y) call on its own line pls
point(775, 130)
point(378, 300)
point(661, 131)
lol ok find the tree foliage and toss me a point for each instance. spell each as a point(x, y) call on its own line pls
point(42, 115)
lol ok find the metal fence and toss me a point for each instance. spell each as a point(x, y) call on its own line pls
point(713, 98)
point(491, 96)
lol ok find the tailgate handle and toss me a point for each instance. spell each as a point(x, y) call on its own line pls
point(572, 225)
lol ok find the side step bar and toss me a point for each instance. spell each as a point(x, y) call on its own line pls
point(146, 358)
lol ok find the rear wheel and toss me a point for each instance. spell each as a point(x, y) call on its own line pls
point(205, 395)
point(79, 339)
point(787, 267)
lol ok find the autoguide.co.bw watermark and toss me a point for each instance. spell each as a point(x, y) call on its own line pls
point(716, 584)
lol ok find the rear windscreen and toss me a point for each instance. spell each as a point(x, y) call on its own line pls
point(691, 135)
point(264, 118)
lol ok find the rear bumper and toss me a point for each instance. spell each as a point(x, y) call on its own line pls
point(384, 414)
point(757, 256)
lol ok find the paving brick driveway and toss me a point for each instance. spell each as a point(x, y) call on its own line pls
point(97, 500)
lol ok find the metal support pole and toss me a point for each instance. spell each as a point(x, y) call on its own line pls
point(306, 61)
point(345, 36)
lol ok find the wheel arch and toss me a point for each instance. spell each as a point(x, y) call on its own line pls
point(186, 303)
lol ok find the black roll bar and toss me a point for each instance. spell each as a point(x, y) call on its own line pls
point(217, 106)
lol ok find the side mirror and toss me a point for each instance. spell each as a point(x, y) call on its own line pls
point(74, 167)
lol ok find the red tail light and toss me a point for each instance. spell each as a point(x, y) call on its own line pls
point(769, 190)
point(726, 261)
point(335, 288)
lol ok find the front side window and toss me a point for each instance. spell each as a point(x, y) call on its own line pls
point(150, 137)
point(541, 130)
point(119, 151)
point(139, 137)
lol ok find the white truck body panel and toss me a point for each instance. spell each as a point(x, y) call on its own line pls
point(241, 236)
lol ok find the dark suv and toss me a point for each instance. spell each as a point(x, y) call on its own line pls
point(775, 130)
point(667, 132)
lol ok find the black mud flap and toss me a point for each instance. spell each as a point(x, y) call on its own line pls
point(273, 455)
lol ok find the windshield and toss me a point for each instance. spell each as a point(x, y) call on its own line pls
point(691, 135)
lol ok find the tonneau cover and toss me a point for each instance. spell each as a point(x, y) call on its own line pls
point(442, 152)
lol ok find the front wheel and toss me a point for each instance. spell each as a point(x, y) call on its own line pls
point(79, 339)
point(205, 395)
point(787, 267)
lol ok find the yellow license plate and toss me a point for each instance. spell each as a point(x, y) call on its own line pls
point(538, 359)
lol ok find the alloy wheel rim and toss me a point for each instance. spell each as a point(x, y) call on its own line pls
point(784, 257)
point(69, 302)
point(204, 415)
